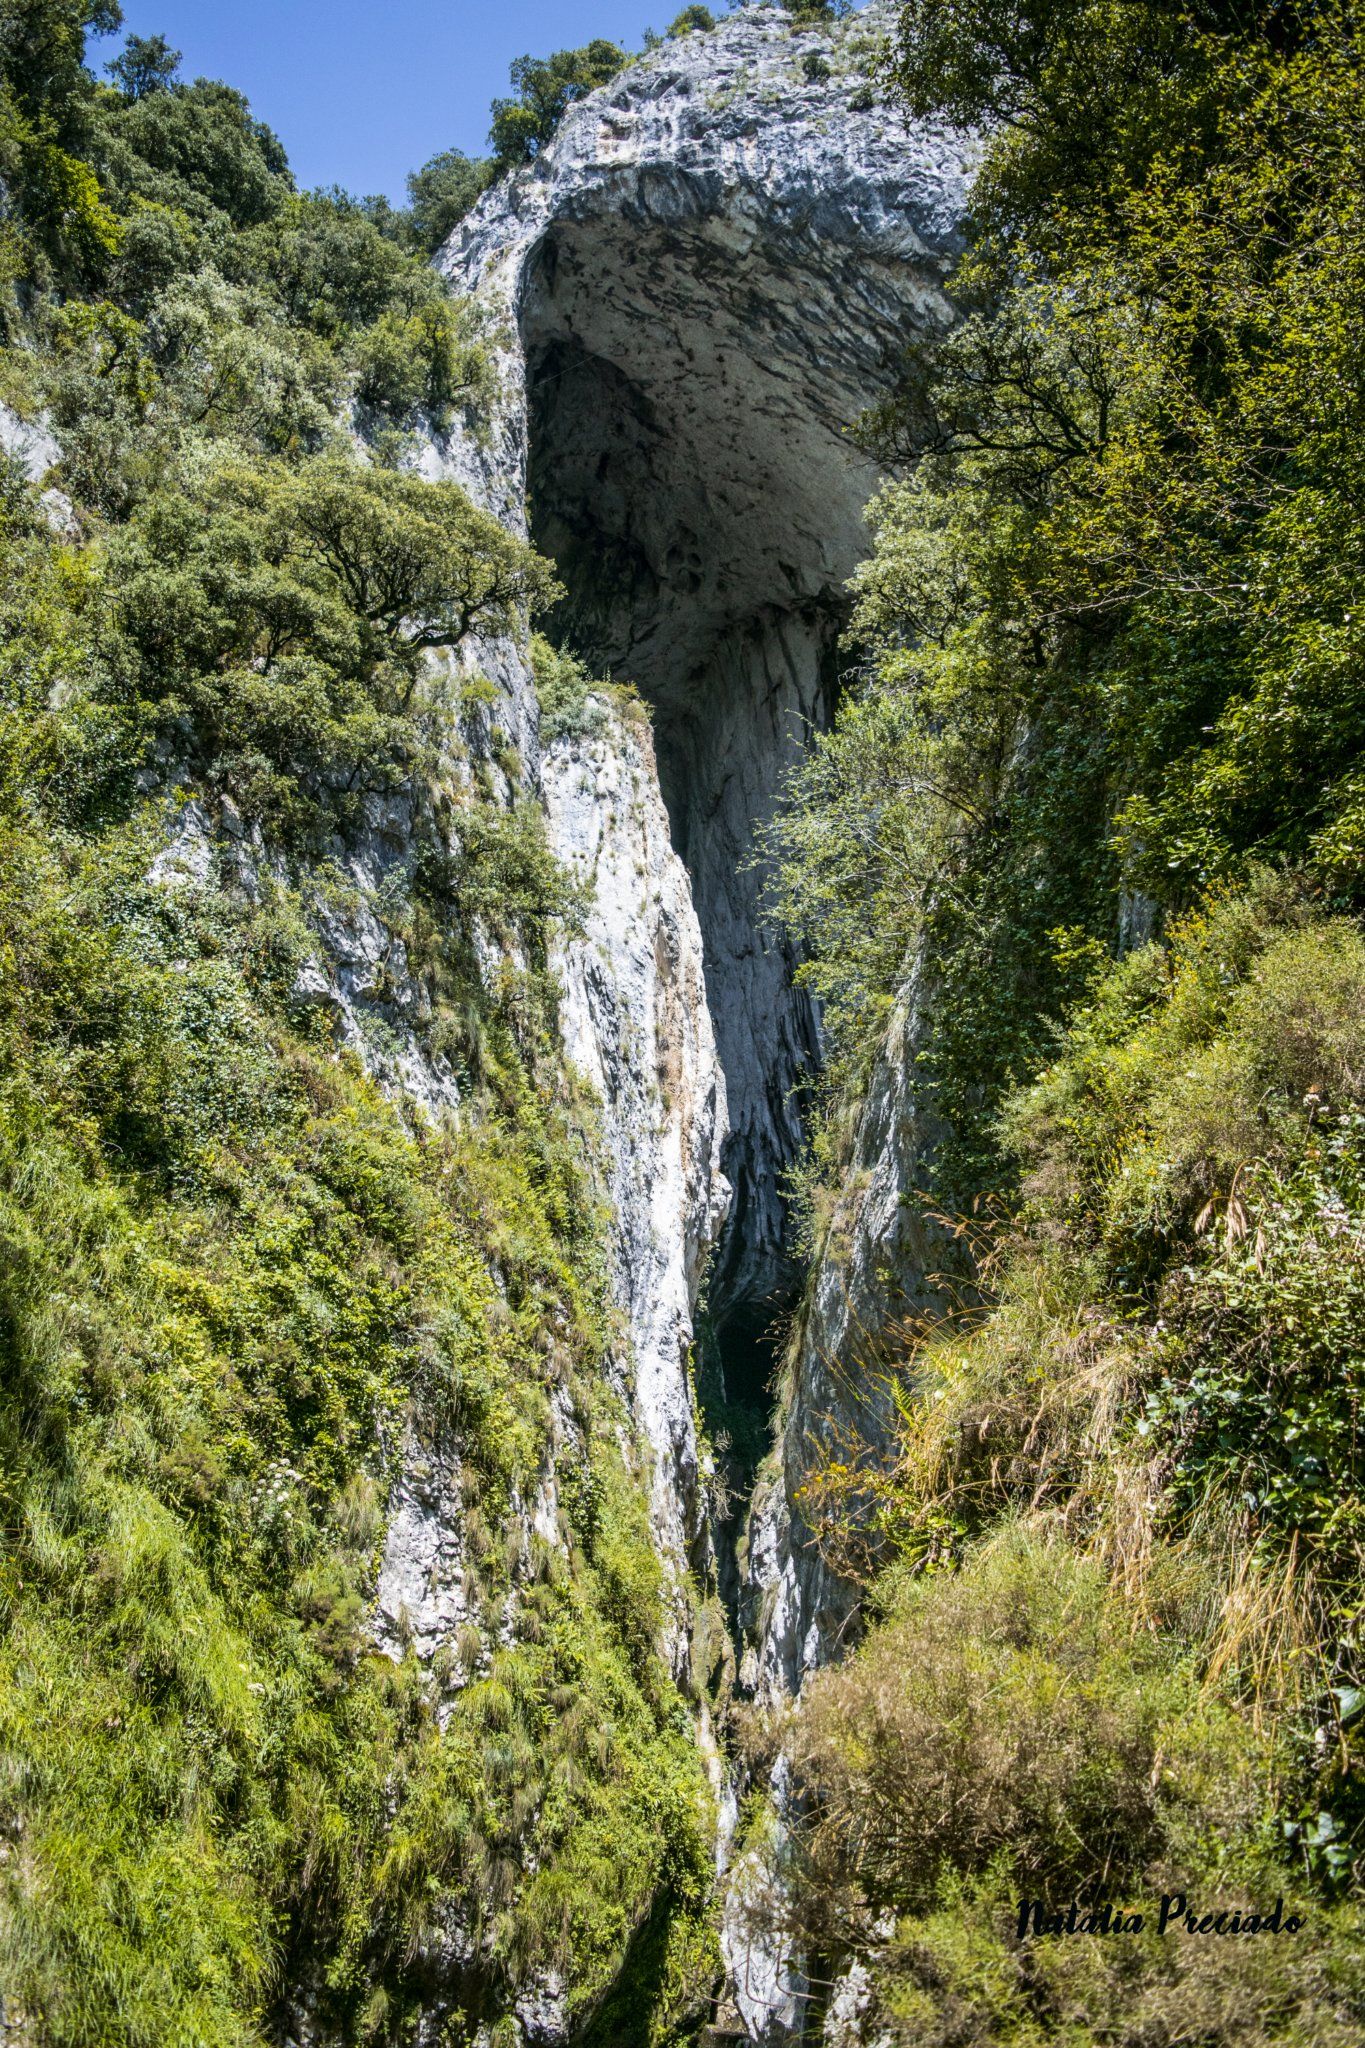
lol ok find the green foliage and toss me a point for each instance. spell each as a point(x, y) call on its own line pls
point(195, 149)
point(695, 18)
point(1092, 799)
point(241, 1289)
point(1107, 637)
point(1201, 1136)
point(1152, 1417)
point(205, 298)
point(201, 1382)
point(144, 64)
point(1009, 1719)
point(956, 1973)
point(442, 192)
point(815, 13)
point(280, 615)
point(45, 115)
point(572, 705)
point(545, 87)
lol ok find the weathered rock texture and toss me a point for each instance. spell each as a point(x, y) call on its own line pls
point(878, 1264)
point(720, 260)
point(713, 268)
point(636, 1024)
point(717, 264)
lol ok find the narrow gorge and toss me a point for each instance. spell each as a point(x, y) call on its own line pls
point(682, 1066)
point(720, 261)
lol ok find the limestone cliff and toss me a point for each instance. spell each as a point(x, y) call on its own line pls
point(720, 259)
point(718, 262)
point(636, 1024)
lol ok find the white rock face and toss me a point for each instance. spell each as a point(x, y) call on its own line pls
point(766, 1989)
point(423, 1596)
point(360, 974)
point(635, 1022)
point(29, 443)
point(718, 263)
point(713, 268)
point(876, 1264)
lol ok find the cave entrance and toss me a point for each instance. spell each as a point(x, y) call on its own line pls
point(690, 382)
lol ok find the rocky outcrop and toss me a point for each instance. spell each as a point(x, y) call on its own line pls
point(879, 1264)
point(636, 1024)
point(359, 975)
point(715, 266)
point(29, 444)
point(717, 263)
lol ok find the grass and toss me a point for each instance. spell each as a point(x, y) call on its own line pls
point(1112, 1572)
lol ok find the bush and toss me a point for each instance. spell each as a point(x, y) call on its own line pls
point(691, 20)
point(1011, 1717)
point(1190, 1063)
point(546, 87)
point(1017, 1730)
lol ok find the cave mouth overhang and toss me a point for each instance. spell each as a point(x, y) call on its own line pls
point(691, 382)
point(691, 465)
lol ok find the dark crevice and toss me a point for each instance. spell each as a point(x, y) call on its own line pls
point(689, 475)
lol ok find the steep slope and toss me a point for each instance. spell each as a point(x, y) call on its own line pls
point(719, 261)
point(364, 1512)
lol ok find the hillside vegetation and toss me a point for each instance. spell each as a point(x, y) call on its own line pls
point(239, 1288)
point(1095, 789)
point(1100, 770)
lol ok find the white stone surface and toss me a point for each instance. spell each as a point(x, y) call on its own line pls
point(717, 263)
point(635, 1022)
point(32, 441)
point(713, 268)
point(875, 1263)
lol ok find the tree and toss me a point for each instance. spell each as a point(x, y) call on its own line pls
point(196, 149)
point(42, 54)
point(46, 100)
point(442, 193)
point(277, 620)
point(417, 562)
point(145, 64)
point(546, 87)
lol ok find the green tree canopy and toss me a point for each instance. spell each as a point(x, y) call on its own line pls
point(442, 192)
point(545, 87)
point(195, 148)
point(42, 55)
point(695, 17)
point(145, 64)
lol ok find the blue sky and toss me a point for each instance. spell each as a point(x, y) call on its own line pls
point(360, 94)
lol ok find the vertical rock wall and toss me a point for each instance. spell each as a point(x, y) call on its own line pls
point(720, 260)
point(636, 1024)
point(715, 266)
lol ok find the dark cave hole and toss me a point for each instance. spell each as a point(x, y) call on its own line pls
point(690, 473)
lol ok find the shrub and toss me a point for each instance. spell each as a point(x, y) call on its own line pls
point(691, 20)
point(1010, 1716)
point(545, 88)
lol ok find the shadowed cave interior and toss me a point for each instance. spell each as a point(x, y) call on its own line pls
point(691, 475)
